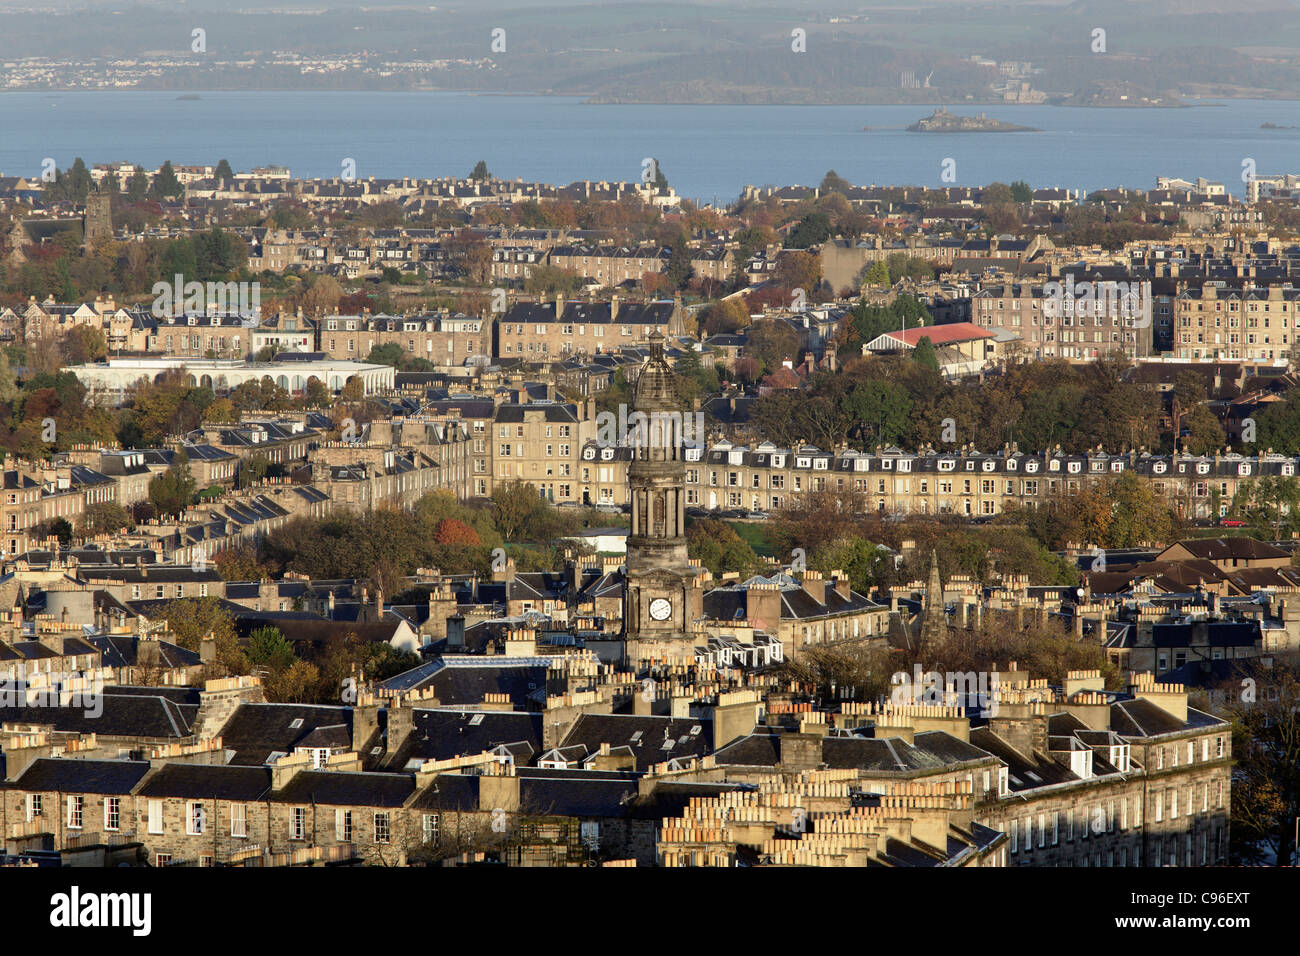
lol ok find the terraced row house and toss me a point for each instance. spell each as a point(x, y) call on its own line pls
point(542, 331)
point(614, 265)
point(1100, 780)
point(967, 482)
point(574, 761)
point(442, 338)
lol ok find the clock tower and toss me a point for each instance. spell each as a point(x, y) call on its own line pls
point(660, 598)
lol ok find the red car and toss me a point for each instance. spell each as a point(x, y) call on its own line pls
point(1232, 523)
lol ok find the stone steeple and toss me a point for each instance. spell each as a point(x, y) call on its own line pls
point(657, 472)
point(934, 620)
point(660, 599)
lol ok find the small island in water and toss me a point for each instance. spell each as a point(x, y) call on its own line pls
point(941, 121)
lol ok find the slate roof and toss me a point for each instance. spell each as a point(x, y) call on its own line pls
point(46, 774)
point(1142, 718)
point(728, 602)
point(347, 788)
point(255, 731)
point(1230, 549)
point(449, 792)
point(644, 736)
point(1217, 634)
point(123, 715)
point(467, 680)
point(194, 781)
point(439, 734)
point(123, 651)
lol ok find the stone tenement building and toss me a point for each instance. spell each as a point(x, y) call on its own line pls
point(562, 760)
point(1081, 323)
point(443, 339)
point(538, 331)
point(1252, 323)
point(612, 265)
point(1092, 779)
point(820, 819)
point(963, 481)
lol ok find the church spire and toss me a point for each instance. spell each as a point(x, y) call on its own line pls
point(934, 622)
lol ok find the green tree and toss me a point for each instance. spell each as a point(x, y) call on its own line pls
point(104, 517)
point(881, 409)
point(173, 491)
point(1022, 192)
point(772, 342)
point(864, 563)
point(660, 182)
point(679, 269)
point(8, 380)
point(74, 185)
point(719, 548)
point(1278, 427)
point(391, 353)
point(316, 395)
point(165, 183)
point(268, 648)
point(383, 661)
point(218, 254)
point(833, 182)
point(137, 187)
point(1205, 433)
point(550, 279)
point(812, 230)
point(224, 173)
point(1264, 703)
point(513, 503)
point(925, 355)
point(878, 274)
point(693, 379)
point(56, 528)
point(191, 620)
point(727, 315)
point(252, 471)
point(480, 172)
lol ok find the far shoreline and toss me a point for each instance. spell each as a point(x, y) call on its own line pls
point(593, 99)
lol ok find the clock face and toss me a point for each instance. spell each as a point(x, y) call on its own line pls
point(660, 609)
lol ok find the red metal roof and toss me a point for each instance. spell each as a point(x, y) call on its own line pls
point(942, 334)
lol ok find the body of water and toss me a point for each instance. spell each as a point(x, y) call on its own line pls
point(706, 152)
